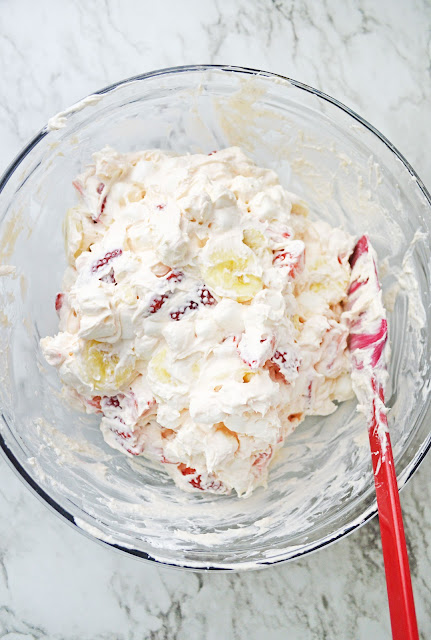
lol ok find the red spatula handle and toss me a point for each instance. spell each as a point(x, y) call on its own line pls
point(398, 581)
point(367, 341)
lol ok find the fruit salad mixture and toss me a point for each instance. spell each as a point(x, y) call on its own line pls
point(201, 313)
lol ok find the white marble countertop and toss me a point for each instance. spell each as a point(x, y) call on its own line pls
point(376, 58)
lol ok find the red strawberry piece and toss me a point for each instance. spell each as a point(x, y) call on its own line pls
point(197, 483)
point(292, 260)
point(95, 402)
point(283, 357)
point(203, 483)
point(284, 360)
point(191, 305)
point(251, 353)
point(185, 470)
point(107, 258)
point(157, 302)
point(102, 206)
point(160, 207)
point(109, 278)
point(262, 459)
point(100, 187)
point(206, 297)
point(111, 401)
point(175, 276)
point(212, 153)
point(124, 435)
point(177, 315)
point(215, 485)
point(280, 365)
point(127, 437)
point(280, 357)
point(59, 299)
point(308, 395)
point(278, 233)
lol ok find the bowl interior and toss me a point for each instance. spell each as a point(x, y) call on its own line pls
point(321, 485)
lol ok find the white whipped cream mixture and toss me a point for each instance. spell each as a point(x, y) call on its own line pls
point(201, 313)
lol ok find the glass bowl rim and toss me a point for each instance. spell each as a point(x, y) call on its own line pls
point(289, 553)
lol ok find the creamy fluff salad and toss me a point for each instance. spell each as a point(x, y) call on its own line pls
point(201, 313)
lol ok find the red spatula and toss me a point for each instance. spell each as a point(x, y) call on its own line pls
point(367, 340)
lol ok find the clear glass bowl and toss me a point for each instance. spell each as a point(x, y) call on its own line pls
point(321, 487)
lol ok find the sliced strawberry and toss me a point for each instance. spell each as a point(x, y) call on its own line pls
point(128, 440)
point(291, 258)
point(252, 352)
point(157, 303)
point(92, 404)
point(103, 205)
point(175, 276)
point(309, 393)
point(191, 305)
point(262, 459)
point(206, 297)
point(283, 366)
point(197, 483)
point(107, 258)
point(185, 470)
point(278, 233)
point(131, 441)
point(111, 401)
point(95, 402)
point(280, 357)
point(202, 482)
point(167, 290)
point(109, 278)
point(123, 434)
point(59, 299)
point(203, 297)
